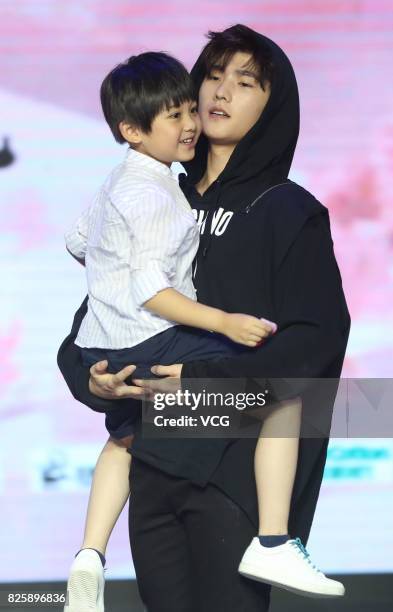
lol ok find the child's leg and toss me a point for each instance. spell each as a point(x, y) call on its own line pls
point(275, 466)
point(275, 557)
point(108, 494)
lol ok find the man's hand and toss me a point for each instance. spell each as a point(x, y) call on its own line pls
point(112, 386)
point(170, 384)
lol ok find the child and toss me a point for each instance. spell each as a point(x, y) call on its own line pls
point(139, 239)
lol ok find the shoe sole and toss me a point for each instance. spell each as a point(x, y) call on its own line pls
point(83, 593)
point(247, 572)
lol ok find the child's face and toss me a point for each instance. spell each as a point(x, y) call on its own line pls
point(237, 93)
point(169, 131)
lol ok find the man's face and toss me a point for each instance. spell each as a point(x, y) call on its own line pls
point(231, 101)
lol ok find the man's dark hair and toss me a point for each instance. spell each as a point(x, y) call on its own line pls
point(222, 46)
point(137, 90)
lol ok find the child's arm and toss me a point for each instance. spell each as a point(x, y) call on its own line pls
point(76, 237)
point(241, 328)
point(80, 260)
point(157, 231)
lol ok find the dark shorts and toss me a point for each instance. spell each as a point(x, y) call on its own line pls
point(178, 344)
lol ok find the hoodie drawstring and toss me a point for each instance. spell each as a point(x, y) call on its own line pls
point(212, 210)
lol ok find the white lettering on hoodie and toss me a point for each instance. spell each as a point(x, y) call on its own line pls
point(220, 221)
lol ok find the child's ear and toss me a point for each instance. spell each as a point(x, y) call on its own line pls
point(130, 133)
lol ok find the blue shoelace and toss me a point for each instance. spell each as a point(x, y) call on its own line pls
point(298, 544)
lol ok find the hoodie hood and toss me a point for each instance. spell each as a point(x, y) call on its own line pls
point(265, 153)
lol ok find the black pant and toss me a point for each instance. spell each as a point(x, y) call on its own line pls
point(187, 542)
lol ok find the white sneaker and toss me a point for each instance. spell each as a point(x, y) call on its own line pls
point(85, 587)
point(288, 566)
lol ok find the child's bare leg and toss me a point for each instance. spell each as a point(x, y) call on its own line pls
point(276, 557)
point(108, 494)
point(275, 466)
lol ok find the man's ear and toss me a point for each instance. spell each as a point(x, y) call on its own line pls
point(130, 133)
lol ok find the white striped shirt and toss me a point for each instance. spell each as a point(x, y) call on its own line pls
point(138, 237)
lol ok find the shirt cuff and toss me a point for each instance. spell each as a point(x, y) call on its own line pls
point(148, 281)
point(75, 244)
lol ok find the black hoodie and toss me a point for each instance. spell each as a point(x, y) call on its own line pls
point(265, 250)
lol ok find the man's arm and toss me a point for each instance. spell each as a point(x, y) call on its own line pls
point(312, 317)
point(74, 372)
point(77, 375)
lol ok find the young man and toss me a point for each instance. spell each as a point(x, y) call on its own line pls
point(265, 247)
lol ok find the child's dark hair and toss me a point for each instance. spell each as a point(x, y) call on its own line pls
point(222, 46)
point(137, 90)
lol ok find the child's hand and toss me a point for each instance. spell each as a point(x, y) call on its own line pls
point(246, 329)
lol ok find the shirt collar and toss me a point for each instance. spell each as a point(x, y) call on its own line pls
point(153, 165)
